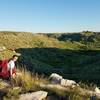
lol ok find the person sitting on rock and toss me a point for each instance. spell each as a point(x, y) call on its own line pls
point(11, 65)
point(7, 67)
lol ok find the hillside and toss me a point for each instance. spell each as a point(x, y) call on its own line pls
point(73, 55)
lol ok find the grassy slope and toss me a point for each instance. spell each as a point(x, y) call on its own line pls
point(65, 54)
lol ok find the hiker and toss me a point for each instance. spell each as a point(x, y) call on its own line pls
point(11, 65)
point(8, 69)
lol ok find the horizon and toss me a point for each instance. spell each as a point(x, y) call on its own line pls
point(50, 32)
point(49, 16)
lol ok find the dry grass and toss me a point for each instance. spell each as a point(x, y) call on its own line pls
point(30, 82)
point(22, 83)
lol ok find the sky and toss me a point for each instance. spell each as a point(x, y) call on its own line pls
point(50, 15)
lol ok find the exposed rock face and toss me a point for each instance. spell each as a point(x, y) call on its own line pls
point(57, 79)
point(39, 95)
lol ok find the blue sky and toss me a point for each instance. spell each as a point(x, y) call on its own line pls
point(50, 15)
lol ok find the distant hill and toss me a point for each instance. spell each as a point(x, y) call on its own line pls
point(73, 55)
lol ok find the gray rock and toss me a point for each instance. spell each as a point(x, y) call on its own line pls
point(66, 82)
point(55, 78)
point(39, 95)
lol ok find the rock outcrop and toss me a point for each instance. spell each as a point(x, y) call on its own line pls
point(57, 79)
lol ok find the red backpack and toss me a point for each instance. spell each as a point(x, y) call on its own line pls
point(4, 72)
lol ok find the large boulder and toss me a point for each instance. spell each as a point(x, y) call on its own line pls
point(57, 79)
point(39, 95)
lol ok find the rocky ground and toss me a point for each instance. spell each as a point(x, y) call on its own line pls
point(55, 84)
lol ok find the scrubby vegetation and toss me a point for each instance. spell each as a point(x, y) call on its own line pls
point(29, 82)
point(73, 55)
point(26, 82)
